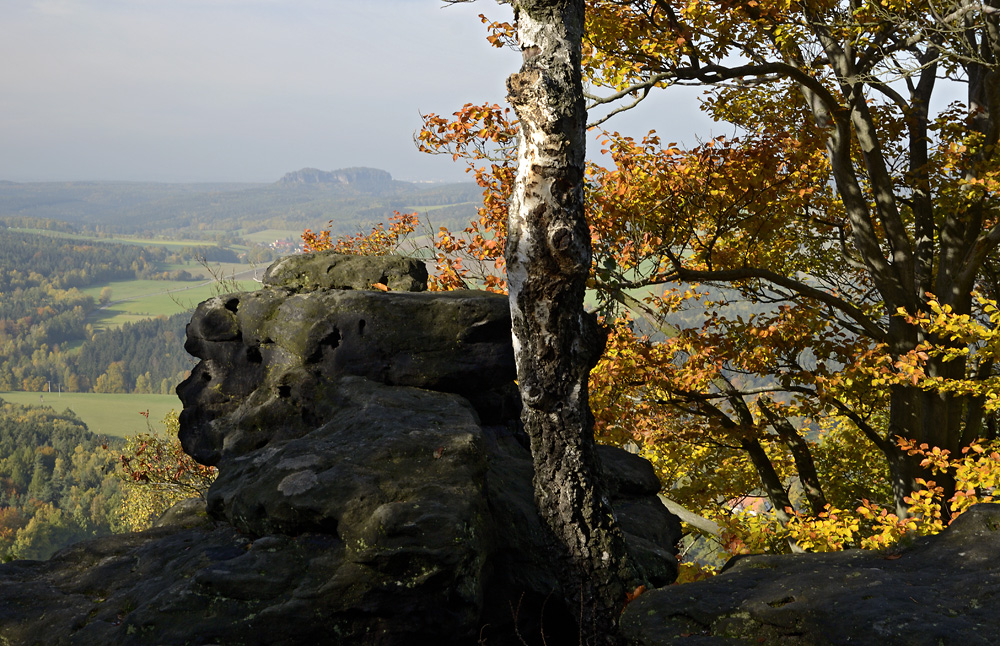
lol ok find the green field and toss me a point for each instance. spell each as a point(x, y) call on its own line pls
point(175, 244)
point(104, 414)
point(430, 209)
point(138, 300)
point(270, 235)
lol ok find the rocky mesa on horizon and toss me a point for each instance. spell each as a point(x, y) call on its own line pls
point(360, 178)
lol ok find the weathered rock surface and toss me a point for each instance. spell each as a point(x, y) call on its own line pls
point(312, 271)
point(374, 488)
point(270, 360)
point(943, 589)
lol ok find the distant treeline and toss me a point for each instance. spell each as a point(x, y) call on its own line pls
point(31, 260)
point(55, 482)
point(217, 210)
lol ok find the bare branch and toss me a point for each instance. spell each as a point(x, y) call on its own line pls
point(618, 110)
point(702, 524)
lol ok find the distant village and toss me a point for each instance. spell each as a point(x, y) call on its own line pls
point(284, 246)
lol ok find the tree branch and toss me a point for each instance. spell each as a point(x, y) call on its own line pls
point(714, 73)
point(804, 464)
point(850, 310)
point(702, 524)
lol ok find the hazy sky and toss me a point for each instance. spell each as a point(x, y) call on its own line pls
point(247, 90)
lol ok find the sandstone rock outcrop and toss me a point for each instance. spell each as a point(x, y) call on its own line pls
point(941, 590)
point(271, 360)
point(374, 487)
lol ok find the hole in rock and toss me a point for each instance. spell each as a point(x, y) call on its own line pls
point(253, 354)
point(206, 376)
point(284, 391)
point(361, 327)
point(233, 304)
point(331, 340)
point(781, 602)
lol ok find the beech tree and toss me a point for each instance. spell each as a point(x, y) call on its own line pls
point(903, 209)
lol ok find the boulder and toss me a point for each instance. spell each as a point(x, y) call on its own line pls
point(409, 530)
point(268, 358)
point(939, 590)
point(330, 270)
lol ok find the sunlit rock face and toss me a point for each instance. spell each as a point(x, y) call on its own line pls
point(374, 484)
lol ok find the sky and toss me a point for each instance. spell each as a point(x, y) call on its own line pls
point(248, 90)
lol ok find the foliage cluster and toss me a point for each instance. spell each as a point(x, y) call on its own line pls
point(155, 473)
point(382, 239)
point(55, 483)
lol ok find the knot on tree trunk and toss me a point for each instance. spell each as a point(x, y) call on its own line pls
point(522, 88)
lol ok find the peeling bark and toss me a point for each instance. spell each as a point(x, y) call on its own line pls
point(556, 342)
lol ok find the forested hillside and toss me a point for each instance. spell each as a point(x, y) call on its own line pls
point(57, 482)
point(56, 485)
point(29, 260)
point(143, 357)
point(44, 317)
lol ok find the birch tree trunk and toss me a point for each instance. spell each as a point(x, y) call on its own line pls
point(556, 342)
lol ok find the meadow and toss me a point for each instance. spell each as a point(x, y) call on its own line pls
point(270, 235)
point(104, 414)
point(137, 300)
